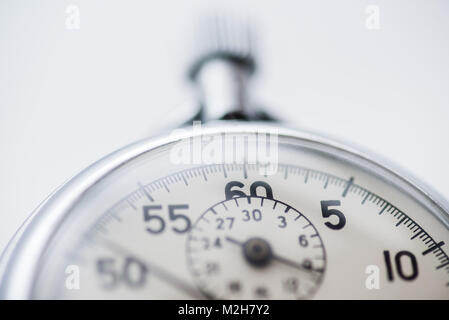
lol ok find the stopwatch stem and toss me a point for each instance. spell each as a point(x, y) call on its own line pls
point(223, 90)
point(222, 69)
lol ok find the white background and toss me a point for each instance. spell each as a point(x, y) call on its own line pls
point(68, 97)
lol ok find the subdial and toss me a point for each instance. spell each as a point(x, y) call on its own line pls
point(255, 248)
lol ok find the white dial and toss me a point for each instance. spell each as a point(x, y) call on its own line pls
point(322, 222)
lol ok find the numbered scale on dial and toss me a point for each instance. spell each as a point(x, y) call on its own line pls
point(318, 222)
point(264, 270)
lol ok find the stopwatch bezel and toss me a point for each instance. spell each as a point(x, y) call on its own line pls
point(19, 263)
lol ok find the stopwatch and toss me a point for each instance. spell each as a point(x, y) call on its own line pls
point(235, 206)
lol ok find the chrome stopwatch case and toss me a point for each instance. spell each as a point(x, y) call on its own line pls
point(240, 208)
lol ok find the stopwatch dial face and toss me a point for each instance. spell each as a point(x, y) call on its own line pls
point(277, 251)
point(222, 218)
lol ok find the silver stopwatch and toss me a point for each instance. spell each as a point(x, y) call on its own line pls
point(235, 206)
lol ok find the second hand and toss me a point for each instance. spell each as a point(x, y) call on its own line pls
point(159, 272)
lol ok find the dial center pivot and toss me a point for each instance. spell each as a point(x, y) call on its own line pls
point(257, 252)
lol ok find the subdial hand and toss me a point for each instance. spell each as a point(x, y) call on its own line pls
point(258, 253)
